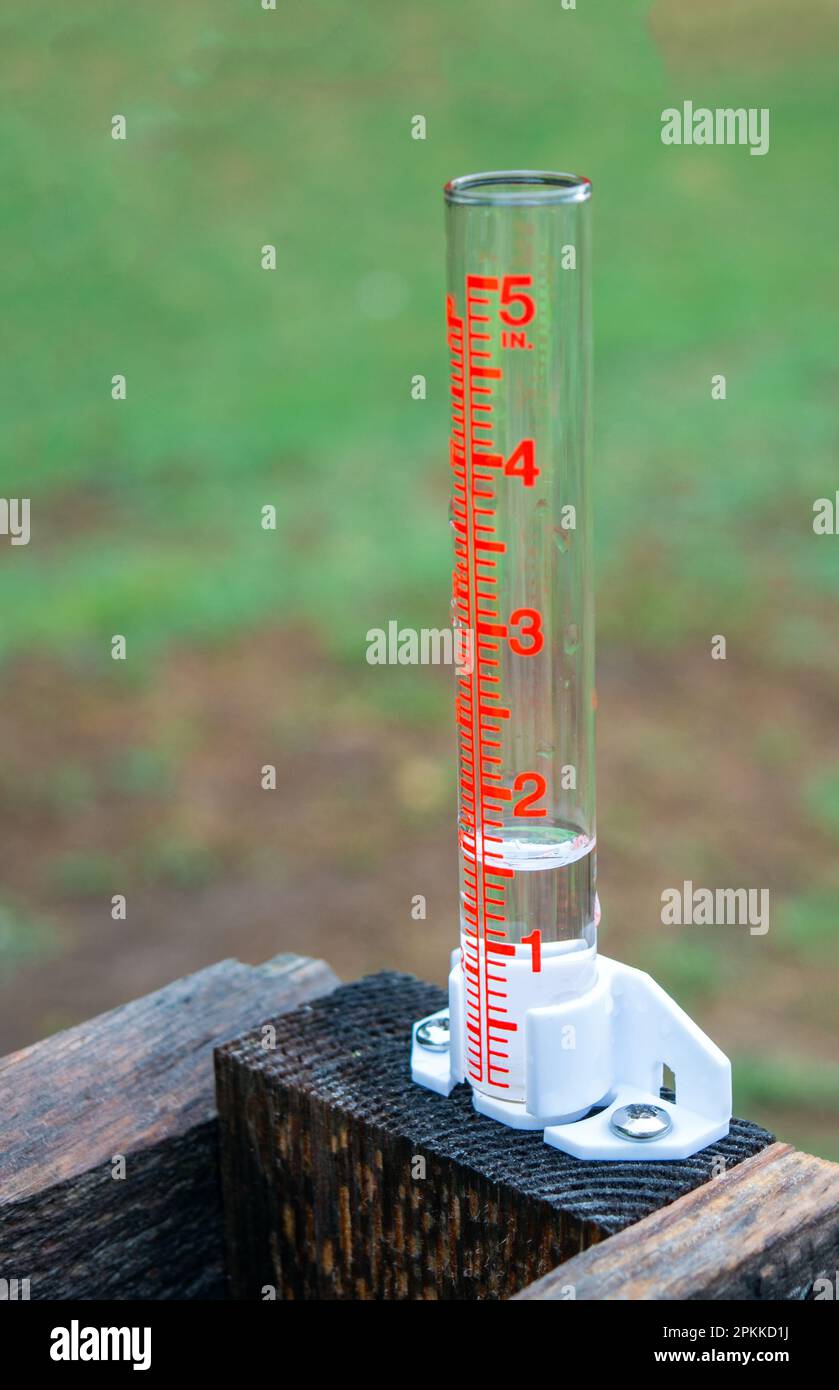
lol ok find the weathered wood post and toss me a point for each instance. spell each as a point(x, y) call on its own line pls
point(343, 1179)
point(109, 1182)
point(767, 1229)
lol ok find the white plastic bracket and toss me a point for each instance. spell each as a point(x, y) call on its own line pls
point(599, 1043)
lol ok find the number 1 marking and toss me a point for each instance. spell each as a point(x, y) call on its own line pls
point(534, 941)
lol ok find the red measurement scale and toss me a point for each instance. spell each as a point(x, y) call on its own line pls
point(549, 1034)
point(478, 553)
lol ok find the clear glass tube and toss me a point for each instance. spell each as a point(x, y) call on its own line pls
point(518, 315)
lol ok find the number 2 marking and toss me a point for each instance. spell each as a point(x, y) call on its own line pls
point(520, 808)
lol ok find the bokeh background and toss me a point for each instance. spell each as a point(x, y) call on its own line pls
point(291, 387)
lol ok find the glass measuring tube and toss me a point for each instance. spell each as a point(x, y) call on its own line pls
point(518, 321)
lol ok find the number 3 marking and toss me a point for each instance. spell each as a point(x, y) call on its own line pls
point(530, 622)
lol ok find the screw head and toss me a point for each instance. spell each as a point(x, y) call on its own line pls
point(641, 1122)
point(434, 1033)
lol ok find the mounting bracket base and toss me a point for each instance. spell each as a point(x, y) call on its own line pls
point(599, 1047)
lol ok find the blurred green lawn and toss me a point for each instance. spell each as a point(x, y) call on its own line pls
point(248, 387)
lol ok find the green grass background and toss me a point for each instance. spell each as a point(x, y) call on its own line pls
point(248, 387)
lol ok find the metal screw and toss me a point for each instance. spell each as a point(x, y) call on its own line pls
point(641, 1122)
point(434, 1034)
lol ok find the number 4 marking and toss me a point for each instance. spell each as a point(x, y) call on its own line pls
point(522, 463)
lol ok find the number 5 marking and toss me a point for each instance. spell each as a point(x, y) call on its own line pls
point(510, 295)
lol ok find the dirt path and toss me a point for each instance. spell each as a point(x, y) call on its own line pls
point(154, 792)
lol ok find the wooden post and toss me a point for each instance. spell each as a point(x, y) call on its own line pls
point(108, 1140)
point(769, 1229)
point(342, 1179)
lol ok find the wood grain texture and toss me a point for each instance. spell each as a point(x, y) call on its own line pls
point(320, 1139)
point(764, 1230)
point(137, 1081)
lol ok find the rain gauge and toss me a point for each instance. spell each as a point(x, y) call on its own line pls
point(549, 1034)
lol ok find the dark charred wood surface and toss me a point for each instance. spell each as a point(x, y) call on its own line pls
point(325, 1139)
